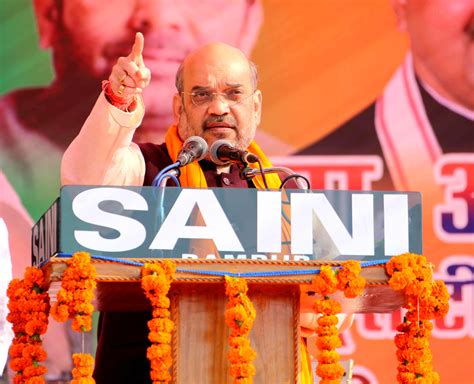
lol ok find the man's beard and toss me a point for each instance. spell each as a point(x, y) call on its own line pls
point(239, 141)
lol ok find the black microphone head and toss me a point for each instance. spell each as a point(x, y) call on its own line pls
point(250, 157)
point(194, 149)
point(213, 151)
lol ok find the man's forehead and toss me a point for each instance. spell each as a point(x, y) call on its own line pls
point(212, 70)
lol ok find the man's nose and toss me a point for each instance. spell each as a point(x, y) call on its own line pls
point(151, 15)
point(218, 105)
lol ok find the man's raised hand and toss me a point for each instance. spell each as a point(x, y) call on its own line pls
point(130, 75)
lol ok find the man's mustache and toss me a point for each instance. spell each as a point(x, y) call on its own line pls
point(220, 119)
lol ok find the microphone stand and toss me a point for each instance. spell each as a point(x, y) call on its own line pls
point(175, 172)
point(250, 173)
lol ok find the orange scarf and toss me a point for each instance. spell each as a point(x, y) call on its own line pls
point(192, 175)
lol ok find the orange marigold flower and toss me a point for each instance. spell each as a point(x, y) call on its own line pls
point(325, 282)
point(161, 313)
point(33, 371)
point(164, 363)
point(328, 357)
point(20, 363)
point(80, 372)
point(83, 380)
point(235, 286)
point(161, 324)
point(328, 342)
point(241, 355)
point(83, 308)
point(34, 277)
point(327, 320)
point(239, 342)
point(60, 312)
point(235, 316)
point(83, 368)
point(82, 360)
point(82, 323)
point(84, 295)
point(242, 370)
point(327, 331)
point(18, 328)
point(400, 280)
point(34, 352)
point(349, 270)
point(397, 263)
point(327, 306)
point(329, 381)
point(330, 371)
point(159, 337)
point(16, 350)
point(440, 292)
point(14, 286)
point(411, 355)
point(160, 301)
point(354, 287)
point(158, 283)
point(158, 350)
point(35, 380)
point(401, 340)
point(36, 327)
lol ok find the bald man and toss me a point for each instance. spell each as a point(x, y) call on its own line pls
point(216, 98)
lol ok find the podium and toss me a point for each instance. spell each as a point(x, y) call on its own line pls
point(213, 232)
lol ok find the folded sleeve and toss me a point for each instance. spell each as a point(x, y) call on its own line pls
point(103, 152)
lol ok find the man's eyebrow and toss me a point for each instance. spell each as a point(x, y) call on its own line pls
point(234, 85)
point(199, 88)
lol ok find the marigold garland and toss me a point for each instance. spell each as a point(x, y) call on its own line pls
point(426, 299)
point(83, 369)
point(327, 282)
point(74, 301)
point(156, 282)
point(239, 315)
point(29, 309)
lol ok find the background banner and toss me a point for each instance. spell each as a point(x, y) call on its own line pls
point(357, 94)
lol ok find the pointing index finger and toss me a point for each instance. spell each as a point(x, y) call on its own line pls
point(137, 49)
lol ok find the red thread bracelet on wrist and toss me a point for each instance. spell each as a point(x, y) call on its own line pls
point(119, 102)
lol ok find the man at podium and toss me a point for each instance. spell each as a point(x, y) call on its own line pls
point(217, 98)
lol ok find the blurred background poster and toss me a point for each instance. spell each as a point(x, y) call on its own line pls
point(357, 94)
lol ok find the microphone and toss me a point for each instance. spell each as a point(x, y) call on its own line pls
point(222, 152)
point(194, 148)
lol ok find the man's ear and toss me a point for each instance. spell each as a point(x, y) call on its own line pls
point(399, 6)
point(47, 15)
point(177, 107)
point(252, 23)
point(257, 105)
